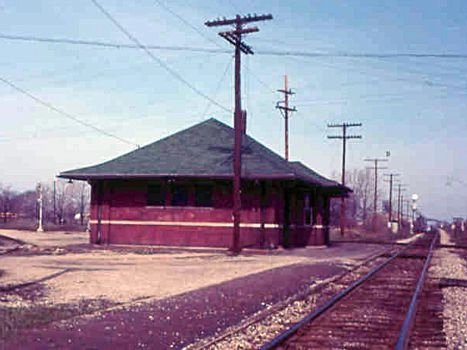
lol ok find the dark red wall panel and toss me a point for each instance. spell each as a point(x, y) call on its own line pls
point(124, 202)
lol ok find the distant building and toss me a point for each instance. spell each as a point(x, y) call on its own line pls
point(178, 191)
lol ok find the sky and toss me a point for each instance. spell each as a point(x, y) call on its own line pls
point(414, 107)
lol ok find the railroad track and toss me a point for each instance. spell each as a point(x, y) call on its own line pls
point(8, 245)
point(376, 311)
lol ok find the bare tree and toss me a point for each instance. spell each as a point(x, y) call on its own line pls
point(358, 202)
point(6, 202)
point(67, 200)
point(25, 204)
point(360, 183)
point(84, 200)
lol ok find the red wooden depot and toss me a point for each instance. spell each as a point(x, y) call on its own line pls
point(178, 191)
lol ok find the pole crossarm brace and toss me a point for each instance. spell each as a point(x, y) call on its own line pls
point(290, 109)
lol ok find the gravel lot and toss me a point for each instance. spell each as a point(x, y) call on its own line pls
point(184, 294)
point(188, 293)
point(47, 239)
point(122, 275)
point(448, 264)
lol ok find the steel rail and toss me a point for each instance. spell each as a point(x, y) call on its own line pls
point(328, 304)
point(281, 305)
point(403, 339)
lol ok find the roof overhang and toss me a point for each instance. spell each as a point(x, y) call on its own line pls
point(336, 190)
point(90, 177)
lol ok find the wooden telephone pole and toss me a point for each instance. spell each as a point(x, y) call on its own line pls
point(234, 37)
point(375, 198)
point(344, 137)
point(285, 109)
point(391, 182)
point(400, 198)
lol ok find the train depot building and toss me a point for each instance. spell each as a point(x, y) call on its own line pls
point(178, 192)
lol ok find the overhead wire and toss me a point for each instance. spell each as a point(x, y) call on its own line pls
point(65, 114)
point(424, 81)
point(217, 89)
point(29, 38)
point(424, 77)
point(155, 58)
point(114, 45)
point(216, 43)
point(376, 98)
point(289, 54)
point(184, 21)
point(362, 54)
point(440, 69)
point(266, 52)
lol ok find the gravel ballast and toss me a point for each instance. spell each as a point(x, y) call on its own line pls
point(447, 263)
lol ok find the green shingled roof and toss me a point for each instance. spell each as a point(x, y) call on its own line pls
point(203, 150)
point(309, 175)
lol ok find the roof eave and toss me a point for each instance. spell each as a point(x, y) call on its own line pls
point(76, 176)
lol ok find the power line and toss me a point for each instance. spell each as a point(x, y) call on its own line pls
point(378, 98)
point(422, 77)
point(424, 80)
point(217, 89)
point(404, 65)
point(63, 113)
point(104, 44)
point(363, 54)
point(313, 54)
point(156, 59)
point(173, 13)
point(220, 50)
point(184, 21)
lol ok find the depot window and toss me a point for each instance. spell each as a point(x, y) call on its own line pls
point(180, 194)
point(156, 195)
point(203, 196)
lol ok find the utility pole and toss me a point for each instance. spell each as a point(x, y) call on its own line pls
point(55, 202)
point(344, 137)
point(376, 167)
point(391, 181)
point(234, 37)
point(402, 208)
point(285, 113)
point(400, 189)
point(40, 228)
point(407, 214)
